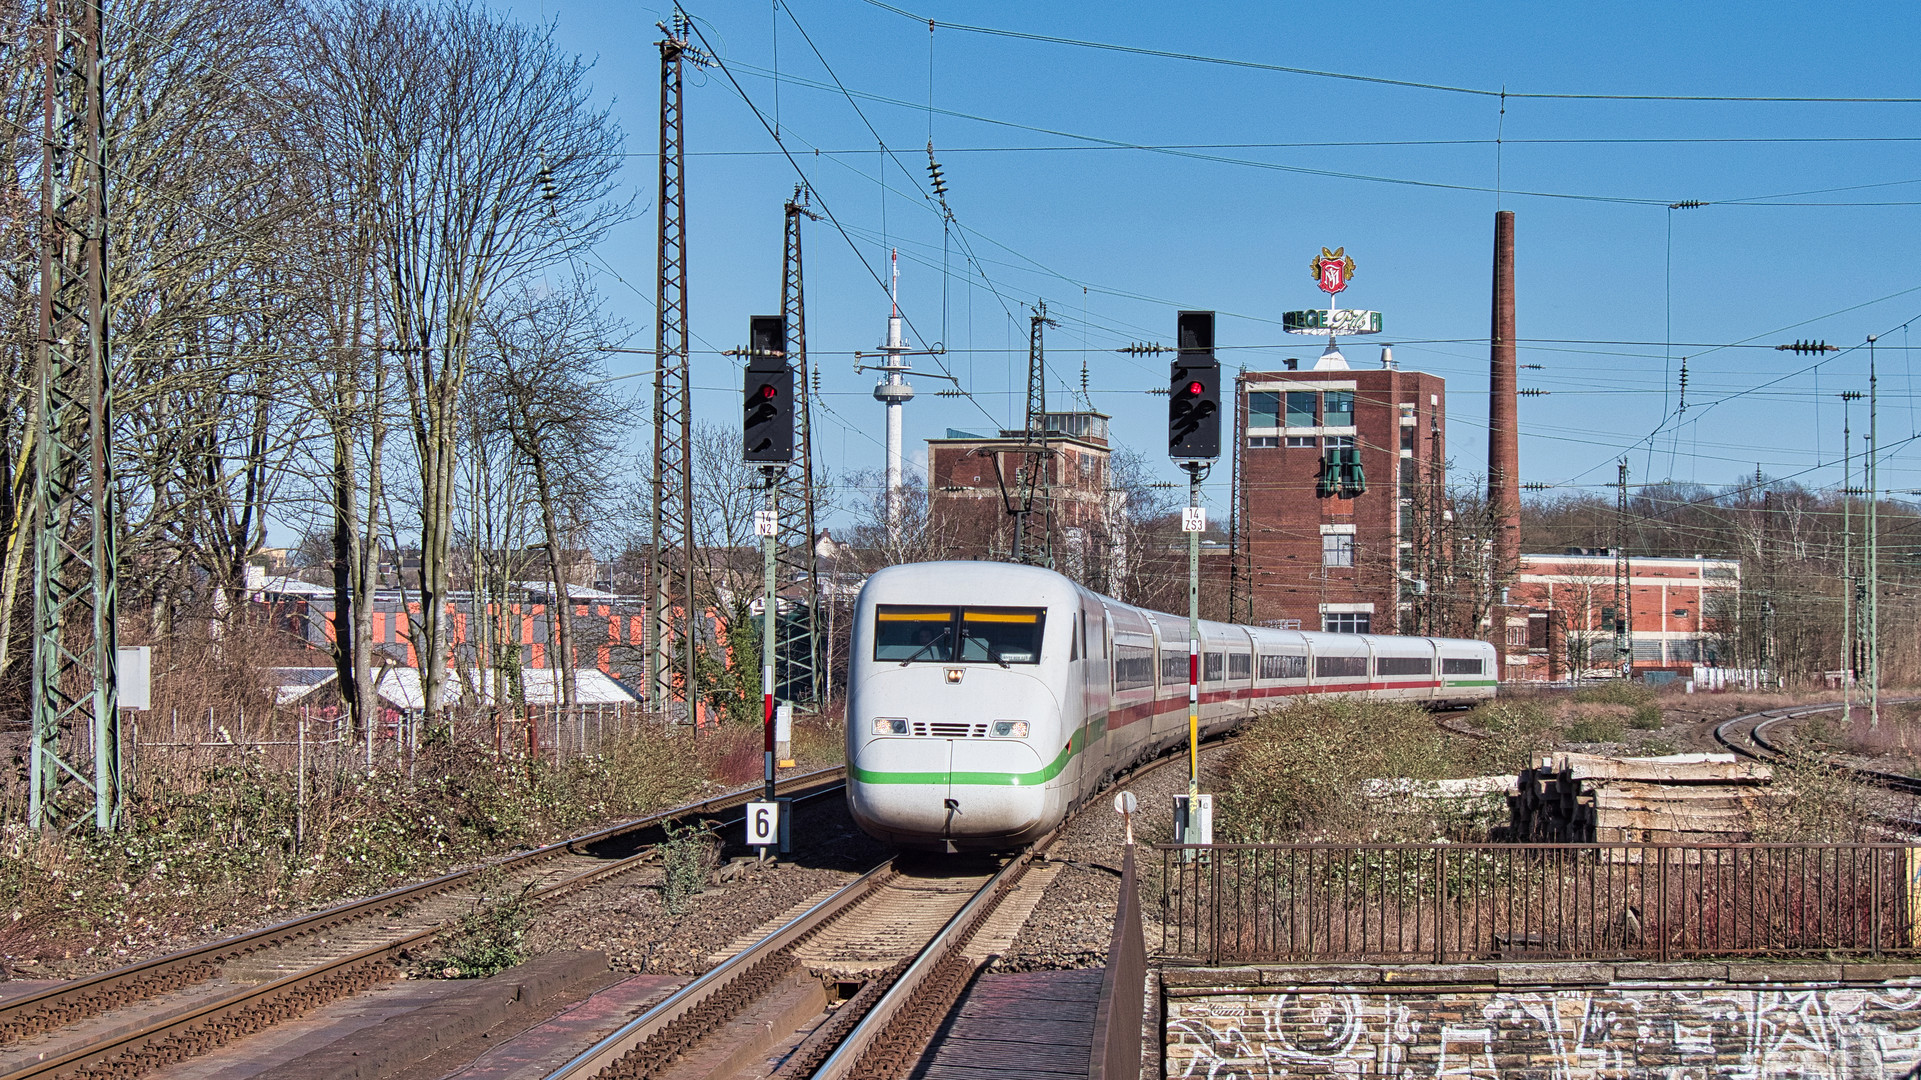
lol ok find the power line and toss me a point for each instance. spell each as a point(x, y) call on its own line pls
point(1379, 80)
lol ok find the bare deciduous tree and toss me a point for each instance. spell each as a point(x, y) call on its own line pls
point(483, 161)
point(543, 384)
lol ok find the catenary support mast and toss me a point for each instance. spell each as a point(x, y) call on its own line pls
point(672, 615)
point(798, 645)
point(75, 707)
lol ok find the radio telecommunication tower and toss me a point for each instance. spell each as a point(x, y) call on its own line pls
point(894, 391)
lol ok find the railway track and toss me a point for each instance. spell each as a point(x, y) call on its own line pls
point(882, 960)
point(1749, 736)
point(127, 1022)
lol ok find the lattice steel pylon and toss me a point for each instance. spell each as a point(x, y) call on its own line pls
point(1034, 515)
point(672, 643)
point(797, 648)
point(1240, 558)
point(75, 698)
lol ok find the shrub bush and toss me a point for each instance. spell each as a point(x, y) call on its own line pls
point(214, 847)
point(1614, 692)
point(1302, 771)
point(1595, 729)
point(1646, 718)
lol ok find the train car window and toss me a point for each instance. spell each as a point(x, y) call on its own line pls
point(1002, 634)
point(1133, 667)
point(1458, 665)
point(1281, 666)
point(1211, 667)
point(1340, 667)
point(1240, 665)
point(1173, 667)
point(1403, 665)
point(913, 633)
point(1074, 639)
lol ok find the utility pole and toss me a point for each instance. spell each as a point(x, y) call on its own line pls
point(1034, 510)
point(1847, 560)
point(1623, 575)
point(672, 642)
point(1240, 555)
point(75, 681)
point(798, 648)
point(1874, 549)
point(767, 440)
point(1194, 442)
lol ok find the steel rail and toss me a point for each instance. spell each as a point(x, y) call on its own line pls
point(1767, 718)
point(242, 1013)
point(875, 1037)
point(890, 992)
point(66, 1003)
point(682, 1005)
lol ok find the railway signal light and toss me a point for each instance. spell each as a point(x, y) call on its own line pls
point(1194, 391)
point(767, 426)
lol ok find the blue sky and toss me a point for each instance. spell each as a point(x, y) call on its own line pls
point(1814, 237)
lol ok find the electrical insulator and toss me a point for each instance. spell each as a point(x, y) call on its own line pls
point(934, 174)
point(545, 177)
point(1806, 348)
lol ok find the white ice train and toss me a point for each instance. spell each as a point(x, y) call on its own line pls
point(986, 700)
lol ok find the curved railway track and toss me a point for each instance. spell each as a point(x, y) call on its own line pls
point(902, 981)
point(132, 1020)
point(1748, 736)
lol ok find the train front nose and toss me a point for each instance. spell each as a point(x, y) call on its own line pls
point(944, 775)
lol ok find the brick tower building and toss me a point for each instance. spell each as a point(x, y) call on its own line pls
point(1337, 462)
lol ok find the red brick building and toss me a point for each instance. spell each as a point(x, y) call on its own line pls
point(1565, 609)
point(1333, 465)
point(971, 478)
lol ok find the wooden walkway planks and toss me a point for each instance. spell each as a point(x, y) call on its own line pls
point(1037, 1024)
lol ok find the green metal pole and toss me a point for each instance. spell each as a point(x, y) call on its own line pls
point(1874, 551)
point(1847, 566)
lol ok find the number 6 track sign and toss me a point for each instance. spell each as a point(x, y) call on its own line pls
point(767, 825)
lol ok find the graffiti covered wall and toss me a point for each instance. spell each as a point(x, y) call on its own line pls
point(1605, 1033)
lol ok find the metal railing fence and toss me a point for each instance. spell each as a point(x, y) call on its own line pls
point(1116, 1051)
point(1455, 902)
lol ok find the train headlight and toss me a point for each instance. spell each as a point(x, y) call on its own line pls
point(889, 725)
point(1010, 729)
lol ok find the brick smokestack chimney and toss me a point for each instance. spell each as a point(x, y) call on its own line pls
point(1503, 432)
point(1503, 427)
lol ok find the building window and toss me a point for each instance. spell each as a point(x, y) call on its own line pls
point(1264, 409)
point(1300, 408)
point(1516, 636)
point(1299, 441)
point(1337, 549)
point(1265, 441)
point(1337, 409)
point(1407, 440)
point(1347, 622)
point(1340, 442)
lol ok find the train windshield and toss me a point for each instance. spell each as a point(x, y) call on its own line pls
point(915, 634)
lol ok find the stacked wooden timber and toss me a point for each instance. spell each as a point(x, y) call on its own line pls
point(1683, 798)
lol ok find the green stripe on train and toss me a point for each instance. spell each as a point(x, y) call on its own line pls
point(1473, 682)
point(980, 779)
